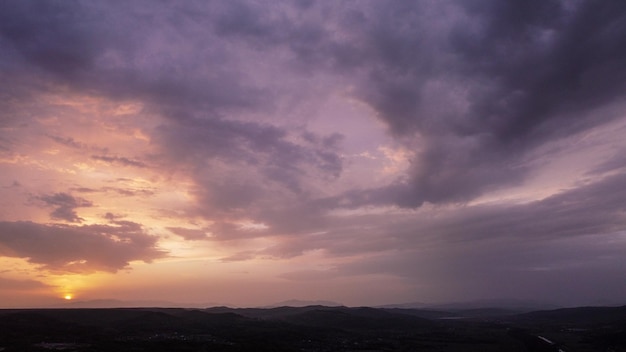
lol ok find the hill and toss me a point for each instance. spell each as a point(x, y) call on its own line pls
point(312, 328)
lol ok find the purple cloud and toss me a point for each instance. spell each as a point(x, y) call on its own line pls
point(254, 112)
point(65, 205)
point(78, 249)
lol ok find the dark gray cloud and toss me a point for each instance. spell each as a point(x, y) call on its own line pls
point(471, 93)
point(252, 143)
point(543, 249)
point(65, 205)
point(57, 36)
point(551, 60)
point(521, 73)
point(550, 90)
point(236, 164)
point(590, 209)
point(78, 249)
point(479, 93)
point(88, 47)
point(594, 209)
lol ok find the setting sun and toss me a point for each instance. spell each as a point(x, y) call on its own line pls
point(68, 297)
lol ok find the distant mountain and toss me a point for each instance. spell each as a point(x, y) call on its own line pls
point(580, 316)
point(299, 303)
point(310, 328)
point(265, 313)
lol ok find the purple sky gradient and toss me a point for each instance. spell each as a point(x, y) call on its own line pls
point(363, 152)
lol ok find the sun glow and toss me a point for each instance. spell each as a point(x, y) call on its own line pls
point(68, 297)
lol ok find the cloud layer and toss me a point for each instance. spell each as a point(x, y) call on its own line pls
point(468, 147)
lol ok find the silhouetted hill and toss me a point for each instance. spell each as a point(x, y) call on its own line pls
point(264, 313)
point(97, 317)
point(355, 318)
point(421, 313)
point(486, 312)
point(582, 316)
point(311, 328)
point(149, 321)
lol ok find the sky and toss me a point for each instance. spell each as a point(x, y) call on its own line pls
point(360, 152)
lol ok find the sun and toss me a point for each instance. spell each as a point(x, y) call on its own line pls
point(67, 297)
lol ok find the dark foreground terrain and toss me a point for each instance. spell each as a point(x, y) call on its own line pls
point(313, 328)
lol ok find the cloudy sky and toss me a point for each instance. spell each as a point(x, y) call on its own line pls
point(363, 152)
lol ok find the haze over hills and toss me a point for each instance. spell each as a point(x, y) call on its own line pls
point(115, 303)
point(521, 305)
point(501, 303)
